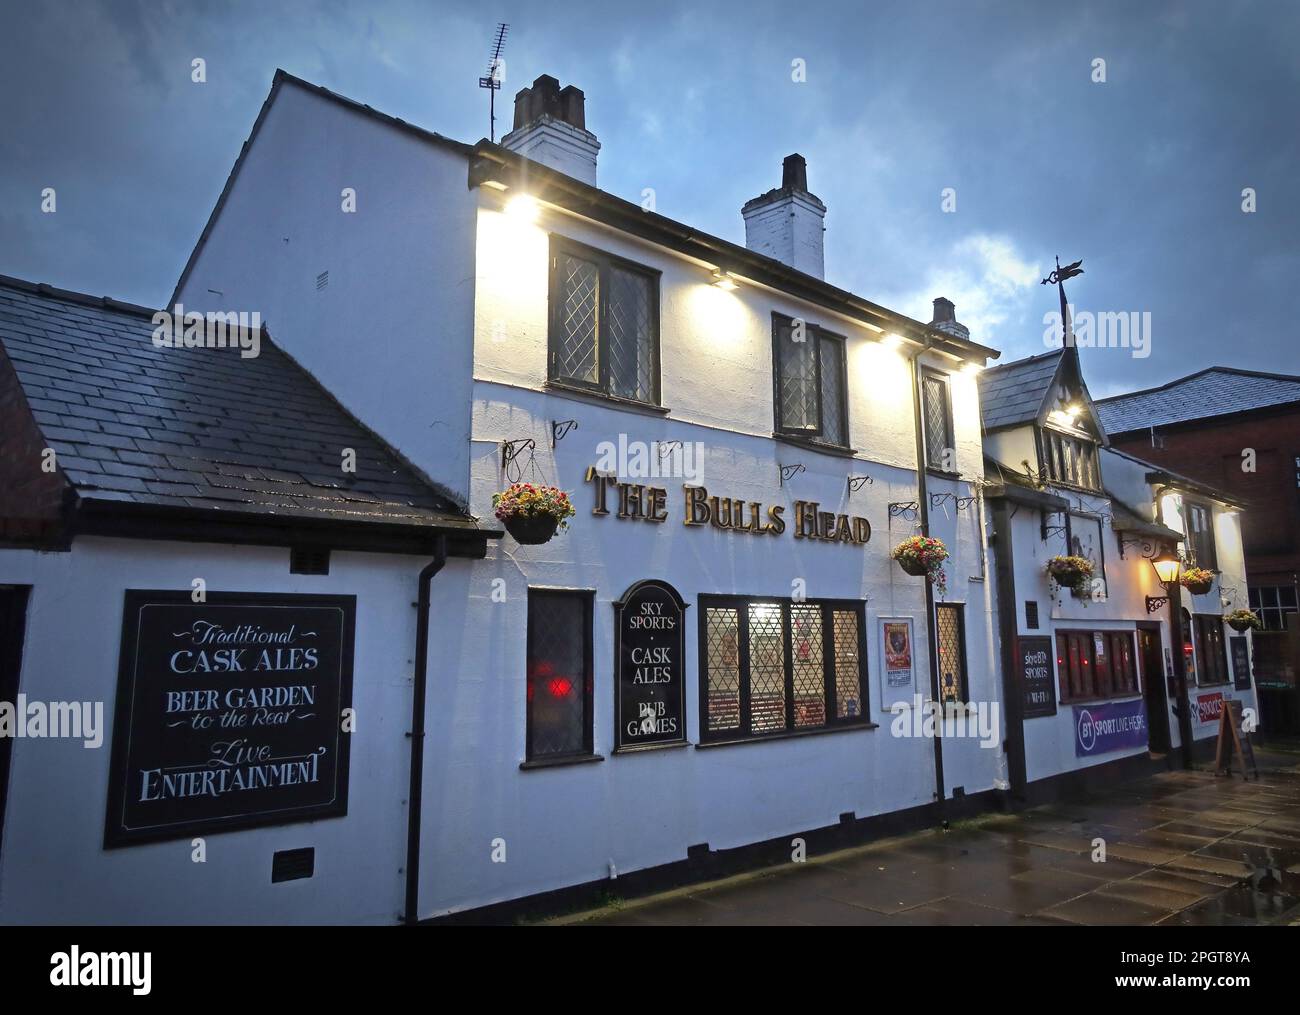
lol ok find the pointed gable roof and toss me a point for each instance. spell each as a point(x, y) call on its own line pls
point(1019, 393)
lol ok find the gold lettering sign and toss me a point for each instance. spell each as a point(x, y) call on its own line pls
point(650, 504)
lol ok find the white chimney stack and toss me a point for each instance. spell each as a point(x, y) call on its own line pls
point(787, 224)
point(551, 128)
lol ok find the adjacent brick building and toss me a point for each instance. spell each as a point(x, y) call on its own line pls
point(1237, 430)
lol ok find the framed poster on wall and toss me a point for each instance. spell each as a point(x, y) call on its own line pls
point(229, 713)
point(897, 661)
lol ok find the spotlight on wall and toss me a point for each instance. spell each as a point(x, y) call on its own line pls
point(725, 280)
point(523, 207)
point(972, 368)
point(892, 341)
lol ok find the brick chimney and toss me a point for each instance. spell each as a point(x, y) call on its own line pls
point(551, 128)
point(787, 223)
point(945, 319)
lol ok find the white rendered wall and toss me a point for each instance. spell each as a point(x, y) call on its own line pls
point(53, 867)
point(390, 334)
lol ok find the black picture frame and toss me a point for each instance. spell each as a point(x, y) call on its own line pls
point(118, 832)
point(635, 592)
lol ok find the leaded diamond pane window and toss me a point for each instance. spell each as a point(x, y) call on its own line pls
point(810, 386)
point(937, 422)
point(604, 323)
point(775, 666)
point(766, 668)
point(559, 674)
point(952, 653)
point(848, 668)
point(808, 666)
point(831, 352)
point(631, 341)
point(722, 669)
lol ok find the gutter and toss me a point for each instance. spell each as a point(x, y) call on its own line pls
point(932, 637)
point(418, 698)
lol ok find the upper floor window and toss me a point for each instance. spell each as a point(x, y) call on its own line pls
point(1198, 526)
point(1274, 603)
point(1068, 460)
point(808, 364)
point(936, 412)
point(604, 328)
point(1085, 536)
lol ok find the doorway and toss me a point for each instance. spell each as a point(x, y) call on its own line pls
point(1153, 687)
point(13, 623)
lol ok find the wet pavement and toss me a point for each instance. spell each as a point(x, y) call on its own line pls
point(1180, 848)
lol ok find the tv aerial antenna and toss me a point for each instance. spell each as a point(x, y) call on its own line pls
point(492, 81)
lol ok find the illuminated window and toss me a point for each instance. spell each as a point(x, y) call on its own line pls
point(1071, 461)
point(1210, 651)
point(559, 674)
point(1199, 529)
point(604, 328)
point(1096, 665)
point(951, 630)
point(810, 382)
point(1273, 604)
point(774, 666)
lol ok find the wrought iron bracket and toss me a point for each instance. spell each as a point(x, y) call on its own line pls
point(1156, 603)
point(937, 500)
point(858, 482)
point(963, 503)
point(560, 429)
point(905, 509)
point(1046, 530)
point(1145, 546)
point(788, 472)
point(666, 448)
point(510, 450)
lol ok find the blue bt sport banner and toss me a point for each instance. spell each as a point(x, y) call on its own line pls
point(1109, 726)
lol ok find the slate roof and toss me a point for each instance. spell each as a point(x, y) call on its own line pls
point(199, 429)
point(1013, 393)
point(1215, 391)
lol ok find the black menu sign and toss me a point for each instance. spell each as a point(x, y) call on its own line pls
point(230, 713)
point(650, 659)
point(1240, 650)
point(1037, 677)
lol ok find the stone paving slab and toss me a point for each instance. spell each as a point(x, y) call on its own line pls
point(1182, 848)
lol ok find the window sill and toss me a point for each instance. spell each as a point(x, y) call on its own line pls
point(1217, 683)
point(568, 759)
point(838, 450)
point(1130, 696)
point(787, 735)
point(620, 751)
point(599, 398)
point(954, 477)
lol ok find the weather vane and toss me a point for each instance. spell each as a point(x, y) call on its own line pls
point(492, 81)
point(1057, 278)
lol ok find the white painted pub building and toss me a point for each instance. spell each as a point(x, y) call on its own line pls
point(344, 694)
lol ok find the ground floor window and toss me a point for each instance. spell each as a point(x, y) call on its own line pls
point(1212, 660)
point(559, 674)
point(950, 624)
point(1273, 603)
point(772, 666)
point(1095, 665)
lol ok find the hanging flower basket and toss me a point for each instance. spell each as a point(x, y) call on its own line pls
point(532, 513)
point(1197, 580)
point(923, 557)
point(1071, 573)
point(1242, 621)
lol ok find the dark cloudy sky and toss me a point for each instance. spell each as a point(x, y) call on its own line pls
point(1141, 176)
